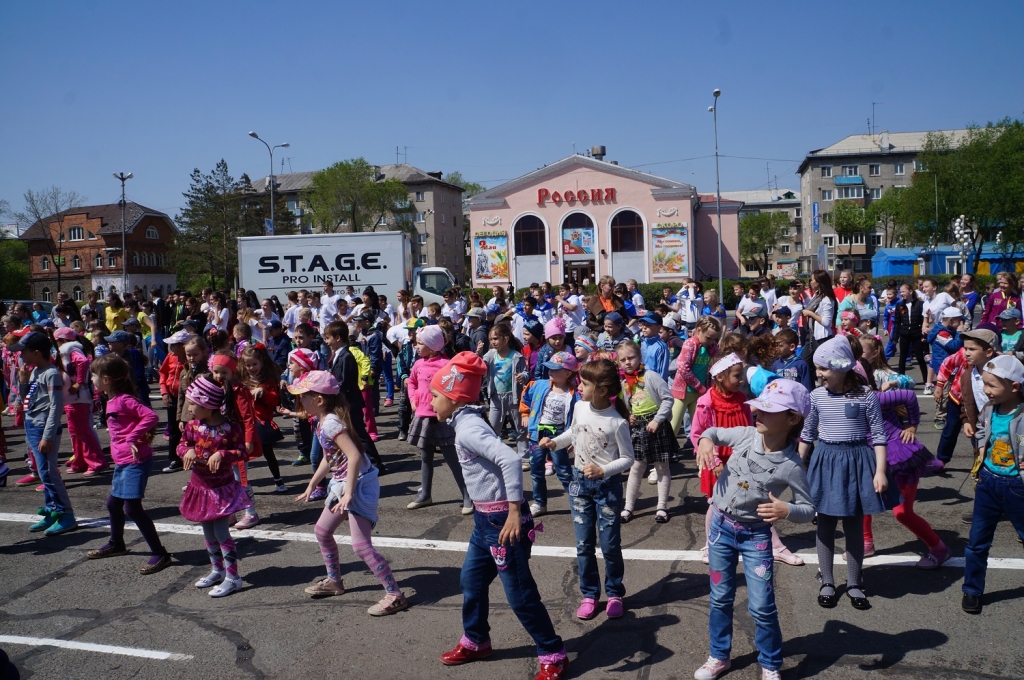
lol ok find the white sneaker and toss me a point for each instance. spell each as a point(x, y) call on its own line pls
point(226, 587)
point(928, 389)
point(538, 510)
point(711, 669)
point(770, 675)
point(653, 477)
point(704, 557)
point(549, 469)
point(211, 579)
point(280, 488)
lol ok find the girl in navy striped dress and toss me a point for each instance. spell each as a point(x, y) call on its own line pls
point(846, 477)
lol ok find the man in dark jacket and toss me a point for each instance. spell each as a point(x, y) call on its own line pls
point(344, 369)
point(908, 323)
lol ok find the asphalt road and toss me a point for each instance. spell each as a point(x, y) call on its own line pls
point(48, 589)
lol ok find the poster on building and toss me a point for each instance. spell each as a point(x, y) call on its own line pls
point(578, 241)
point(490, 256)
point(670, 249)
point(786, 270)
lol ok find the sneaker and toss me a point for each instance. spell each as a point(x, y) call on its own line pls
point(326, 587)
point(247, 521)
point(538, 510)
point(940, 423)
point(211, 579)
point(226, 587)
point(27, 480)
point(391, 604)
point(928, 389)
point(65, 522)
point(770, 675)
point(549, 468)
point(704, 555)
point(279, 486)
point(712, 668)
point(614, 608)
point(48, 518)
point(587, 610)
point(301, 460)
point(653, 477)
point(967, 518)
point(389, 402)
point(526, 465)
point(41, 488)
point(374, 437)
point(319, 493)
point(403, 435)
point(173, 466)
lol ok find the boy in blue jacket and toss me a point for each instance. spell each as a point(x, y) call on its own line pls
point(789, 365)
point(944, 340)
point(546, 409)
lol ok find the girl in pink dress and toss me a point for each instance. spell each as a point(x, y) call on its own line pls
point(75, 353)
point(210, 445)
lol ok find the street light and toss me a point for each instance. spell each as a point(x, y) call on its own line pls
point(718, 190)
point(124, 253)
point(271, 150)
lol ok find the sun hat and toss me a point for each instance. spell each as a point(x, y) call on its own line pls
point(321, 382)
point(990, 338)
point(415, 323)
point(954, 313)
point(34, 341)
point(66, 333)
point(1008, 313)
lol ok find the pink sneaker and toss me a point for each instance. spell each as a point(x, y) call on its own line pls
point(247, 522)
point(27, 480)
point(388, 402)
point(41, 487)
point(614, 608)
point(712, 668)
point(587, 610)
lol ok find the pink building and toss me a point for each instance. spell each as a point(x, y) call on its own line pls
point(581, 218)
point(706, 234)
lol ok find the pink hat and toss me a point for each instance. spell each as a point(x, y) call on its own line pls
point(432, 337)
point(205, 392)
point(555, 326)
point(306, 358)
point(66, 333)
point(460, 378)
point(178, 338)
point(560, 360)
point(320, 382)
point(783, 395)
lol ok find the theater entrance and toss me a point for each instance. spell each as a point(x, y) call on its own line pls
point(578, 271)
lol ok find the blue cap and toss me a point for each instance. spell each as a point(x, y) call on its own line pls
point(493, 309)
point(119, 336)
point(614, 317)
point(1009, 313)
point(652, 318)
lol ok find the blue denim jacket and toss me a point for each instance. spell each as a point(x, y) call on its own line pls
point(533, 400)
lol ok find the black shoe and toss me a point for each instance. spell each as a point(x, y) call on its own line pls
point(828, 601)
point(173, 466)
point(858, 602)
point(971, 604)
point(381, 470)
point(967, 518)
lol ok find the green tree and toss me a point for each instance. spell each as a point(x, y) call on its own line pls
point(469, 189)
point(889, 214)
point(349, 196)
point(760, 233)
point(218, 210)
point(848, 219)
point(13, 269)
point(48, 208)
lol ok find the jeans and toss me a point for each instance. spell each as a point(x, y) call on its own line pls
point(486, 559)
point(595, 514)
point(389, 376)
point(994, 495)
point(316, 454)
point(55, 494)
point(563, 468)
point(950, 432)
point(890, 347)
point(504, 405)
point(727, 540)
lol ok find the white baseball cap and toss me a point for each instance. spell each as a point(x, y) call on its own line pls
point(952, 313)
point(1007, 367)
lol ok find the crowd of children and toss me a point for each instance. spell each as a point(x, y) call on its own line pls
point(594, 390)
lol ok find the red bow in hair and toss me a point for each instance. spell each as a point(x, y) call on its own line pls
point(260, 345)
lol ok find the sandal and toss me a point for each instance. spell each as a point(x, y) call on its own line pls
point(107, 551)
point(789, 557)
point(625, 516)
point(661, 516)
point(389, 605)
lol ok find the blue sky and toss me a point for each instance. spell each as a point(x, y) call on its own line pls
point(491, 89)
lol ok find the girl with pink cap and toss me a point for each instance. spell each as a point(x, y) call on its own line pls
point(554, 342)
point(74, 362)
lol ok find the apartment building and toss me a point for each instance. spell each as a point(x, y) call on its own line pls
point(785, 259)
point(859, 168)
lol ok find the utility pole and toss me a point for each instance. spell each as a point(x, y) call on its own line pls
point(124, 251)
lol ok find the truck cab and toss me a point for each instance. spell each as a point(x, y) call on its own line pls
point(431, 282)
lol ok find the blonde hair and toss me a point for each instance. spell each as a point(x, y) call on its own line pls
point(707, 323)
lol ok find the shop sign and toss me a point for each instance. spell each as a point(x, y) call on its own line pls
point(570, 197)
point(490, 256)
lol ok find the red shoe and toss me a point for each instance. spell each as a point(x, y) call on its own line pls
point(461, 655)
point(552, 671)
point(389, 402)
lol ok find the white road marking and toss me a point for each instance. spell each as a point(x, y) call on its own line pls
point(93, 647)
point(640, 555)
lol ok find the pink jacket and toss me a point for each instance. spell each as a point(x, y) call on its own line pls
point(704, 417)
point(419, 384)
point(129, 421)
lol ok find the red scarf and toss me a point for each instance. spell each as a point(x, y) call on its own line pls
point(730, 411)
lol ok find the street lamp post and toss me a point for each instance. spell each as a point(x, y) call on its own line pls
point(271, 150)
point(718, 202)
point(124, 252)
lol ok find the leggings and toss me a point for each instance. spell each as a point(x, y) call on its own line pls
point(905, 515)
point(220, 547)
point(427, 472)
point(368, 410)
point(361, 529)
point(268, 453)
point(680, 407)
point(910, 344)
point(853, 527)
point(504, 405)
point(636, 473)
point(118, 508)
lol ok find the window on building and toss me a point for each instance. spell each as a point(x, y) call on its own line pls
point(826, 171)
point(785, 232)
point(826, 194)
point(799, 212)
point(627, 231)
point(444, 259)
point(135, 259)
point(444, 239)
point(858, 265)
point(112, 260)
point(152, 233)
point(97, 260)
point(76, 294)
point(152, 259)
point(423, 259)
point(92, 236)
point(771, 250)
point(750, 267)
point(851, 170)
point(76, 234)
point(851, 192)
point(918, 166)
point(876, 193)
point(383, 221)
point(423, 239)
point(44, 264)
point(419, 195)
point(530, 236)
point(857, 240)
point(160, 259)
point(825, 217)
point(421, 217)
point(799, 246)
point(829, 241)
point(898, 169)
point(46, 295)
point(785, 248)
point(874, 170)
point(831, 263)
point(876, 240)
point(76, 262)
point(442, 218)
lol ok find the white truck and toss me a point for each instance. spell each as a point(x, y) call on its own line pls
point(274, 265)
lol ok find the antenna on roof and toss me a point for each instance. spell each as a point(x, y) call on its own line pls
point(873, 105)
point(290, 163)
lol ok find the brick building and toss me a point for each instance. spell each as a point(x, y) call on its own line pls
point(87, 251)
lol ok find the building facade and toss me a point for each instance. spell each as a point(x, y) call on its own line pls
point(579, 219)
point(86, 252)
point(435, 208)
point(859, 168)
point(784, 259)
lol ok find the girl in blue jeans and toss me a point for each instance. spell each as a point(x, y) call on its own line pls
point(764, 462)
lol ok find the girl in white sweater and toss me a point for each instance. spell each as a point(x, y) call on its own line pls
point(601, 442)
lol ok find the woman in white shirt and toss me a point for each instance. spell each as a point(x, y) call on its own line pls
point(218, 315)
point(821, 311)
